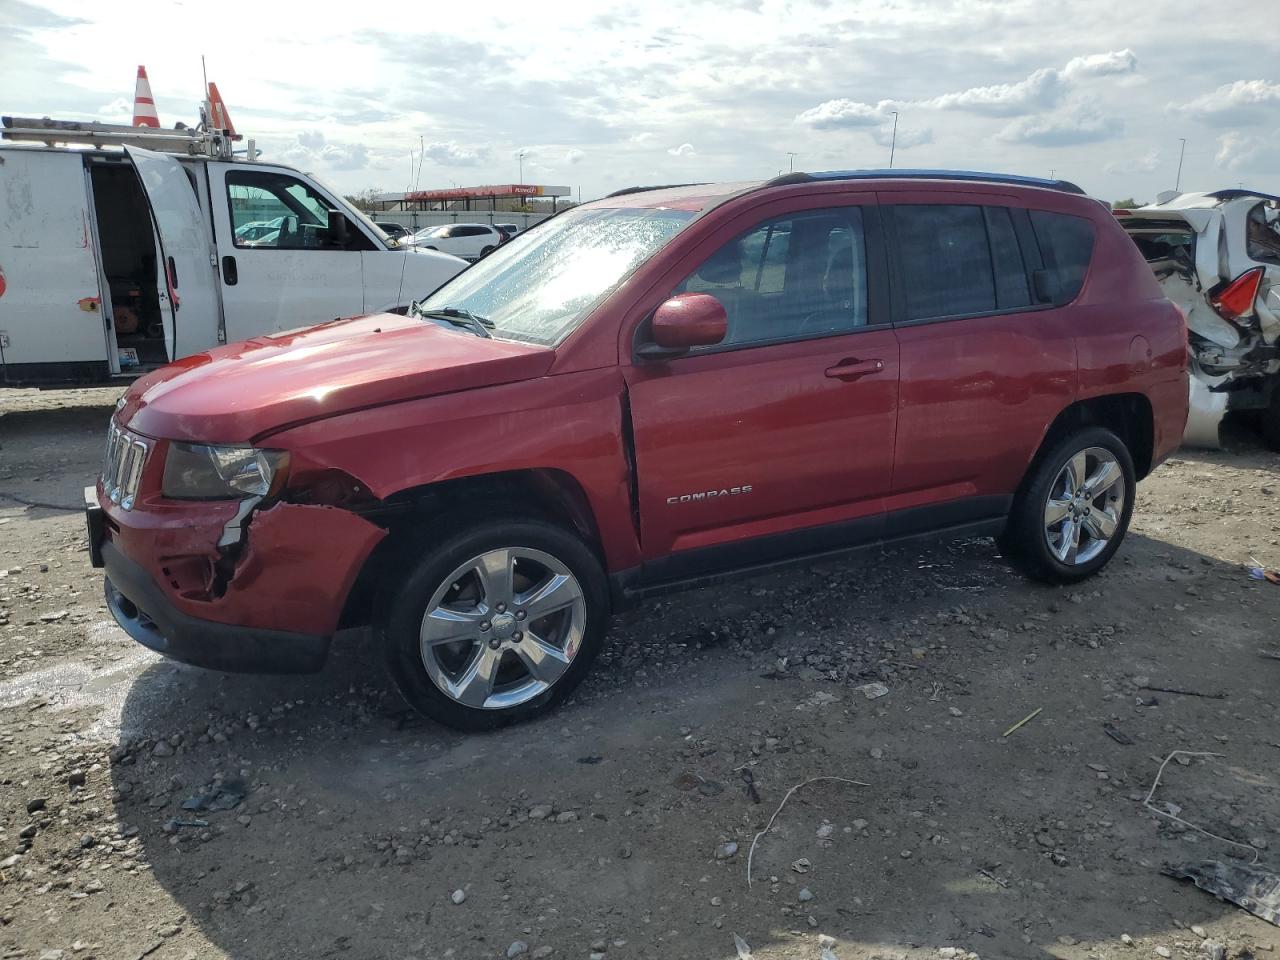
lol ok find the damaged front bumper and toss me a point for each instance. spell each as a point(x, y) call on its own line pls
point(268, 603)
point(146, 615)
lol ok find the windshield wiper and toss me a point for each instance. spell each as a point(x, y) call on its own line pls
point(459, 317)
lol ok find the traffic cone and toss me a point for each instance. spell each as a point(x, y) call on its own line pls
point(144, 108)
point(221, 119)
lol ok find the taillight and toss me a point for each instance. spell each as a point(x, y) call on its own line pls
point(1235, 300)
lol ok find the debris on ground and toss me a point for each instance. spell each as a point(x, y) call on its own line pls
point(227, 796)
point(1025, 720)
point(1256, 890)
point(768, 826)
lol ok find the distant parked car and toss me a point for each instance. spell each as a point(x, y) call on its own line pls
point(252, 232)
point(396, 231)
point(467, 240)
point(1217, 256)
point(508, 230)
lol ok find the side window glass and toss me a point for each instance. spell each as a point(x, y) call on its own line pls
point(1263, 234)
point(1006, 258)
point(1066, 243)
point(273, 210)
point(790, 278)
point(946, 260)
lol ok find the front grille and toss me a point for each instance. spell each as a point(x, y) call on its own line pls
point(122, 467)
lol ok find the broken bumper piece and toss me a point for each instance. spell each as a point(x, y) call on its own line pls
point(144, 612)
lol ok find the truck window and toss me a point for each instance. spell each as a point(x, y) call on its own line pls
point(276, 211)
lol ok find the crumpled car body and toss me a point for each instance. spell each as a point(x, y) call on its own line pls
point(1217, 256)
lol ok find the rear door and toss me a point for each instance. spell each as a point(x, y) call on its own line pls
point(294, 274)
point(50, 306)
point(187, 283)
point(985, 367)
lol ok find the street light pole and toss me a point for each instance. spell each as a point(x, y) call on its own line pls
point(893, 142)
point(791, 155)
point(1181, 153)
point(520, 157)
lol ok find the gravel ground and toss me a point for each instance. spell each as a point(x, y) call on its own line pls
point(149, 809)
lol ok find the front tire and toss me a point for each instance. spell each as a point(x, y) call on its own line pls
point(496, 624)
point(1073, 510)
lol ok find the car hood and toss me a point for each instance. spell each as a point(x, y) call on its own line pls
point(239, 392)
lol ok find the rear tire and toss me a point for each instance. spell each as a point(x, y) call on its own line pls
point(486, 251)
point(1073, 510)
point(496, 622)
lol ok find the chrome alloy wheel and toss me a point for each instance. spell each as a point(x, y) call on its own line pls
point(1085, 505)
point(503, 628)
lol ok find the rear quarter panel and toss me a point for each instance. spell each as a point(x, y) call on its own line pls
point(1130, 338)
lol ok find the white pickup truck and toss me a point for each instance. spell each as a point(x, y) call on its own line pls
point(113, 262)
point(1217, 256)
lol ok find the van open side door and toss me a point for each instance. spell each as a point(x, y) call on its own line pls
point(188, 285)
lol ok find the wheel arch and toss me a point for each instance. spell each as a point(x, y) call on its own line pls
point(547, 494)
point(1128, 415)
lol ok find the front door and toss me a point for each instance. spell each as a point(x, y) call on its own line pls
point(780, 439)
point(280, 268)
point(186, 283)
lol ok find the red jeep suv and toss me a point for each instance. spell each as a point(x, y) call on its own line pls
point(644, 393)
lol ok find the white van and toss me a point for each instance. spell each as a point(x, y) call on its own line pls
point(115, 262)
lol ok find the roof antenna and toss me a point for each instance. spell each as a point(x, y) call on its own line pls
point(422, 151)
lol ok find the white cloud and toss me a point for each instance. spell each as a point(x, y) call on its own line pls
point(1039, 91)
point(1082, 125)
point(1245, 153)
point(684, 150)
point(835, 114)
point(907, 138)
point(1145, 163)
point(1102, 64)
point(1245, 101)
point(448, 153)
point(573, 155)
point(310, 148)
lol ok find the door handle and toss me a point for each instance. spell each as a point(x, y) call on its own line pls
point(852, 369)
point(230, 276)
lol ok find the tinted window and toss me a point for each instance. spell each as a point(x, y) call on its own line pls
point(792, 277)
point(1066, 244)
point(946, 260)
point(1006, 259)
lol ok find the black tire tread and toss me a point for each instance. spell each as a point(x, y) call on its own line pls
point(1022, 541)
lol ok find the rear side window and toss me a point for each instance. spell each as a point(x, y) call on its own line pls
point(1006, 260)
point(1066, 244)
point(946, 260)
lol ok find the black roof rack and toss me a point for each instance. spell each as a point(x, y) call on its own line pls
point(1065, 186)
point(625, 191)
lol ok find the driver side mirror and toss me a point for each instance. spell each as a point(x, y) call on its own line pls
point(338, 234)
point(685, 321)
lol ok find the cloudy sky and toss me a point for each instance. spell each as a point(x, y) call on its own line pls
point(602, 95)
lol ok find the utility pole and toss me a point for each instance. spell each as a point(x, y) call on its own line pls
point(1181, 153)
point(520, 157)
point(791, 155)
point(893, 142)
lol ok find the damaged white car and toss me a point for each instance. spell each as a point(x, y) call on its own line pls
point(1217, 256)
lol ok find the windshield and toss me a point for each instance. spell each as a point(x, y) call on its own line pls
point(539, 285)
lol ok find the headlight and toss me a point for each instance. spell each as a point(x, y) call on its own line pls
point(193, 471)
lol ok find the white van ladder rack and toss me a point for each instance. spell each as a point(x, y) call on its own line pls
point(190, 141)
